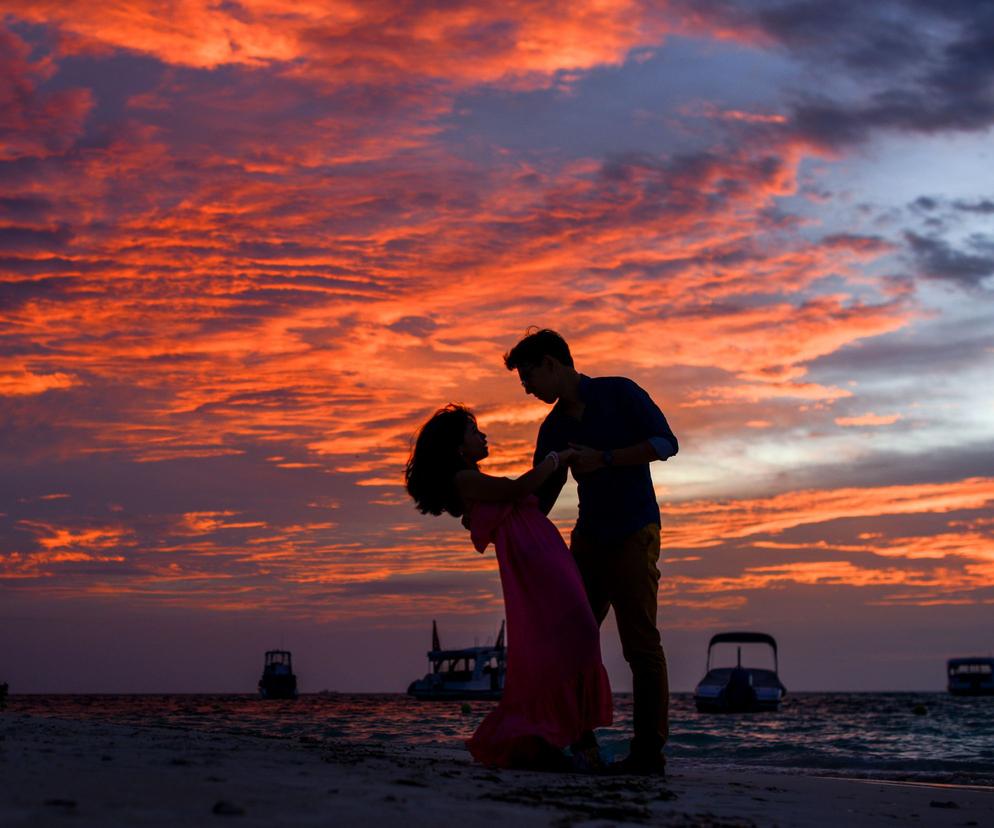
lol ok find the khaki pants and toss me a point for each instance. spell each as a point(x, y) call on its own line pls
point(623, 574)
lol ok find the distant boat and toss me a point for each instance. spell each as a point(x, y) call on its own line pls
point(971, 676)
point(469, 673)
point(278, 680)
point(740, 689)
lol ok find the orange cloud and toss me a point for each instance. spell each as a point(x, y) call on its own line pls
point(868, 419)
point(289, 262)
point(707, 523)
point(361, 43)
point(35, 123)
point(25, 383)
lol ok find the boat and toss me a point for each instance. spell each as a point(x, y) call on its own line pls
point(469, 673)
point(971, 676)
point(278, 680)
point(740, 689)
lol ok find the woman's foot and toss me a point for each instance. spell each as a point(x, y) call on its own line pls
point(586, 755)
point(540, 755)
point(588, 761)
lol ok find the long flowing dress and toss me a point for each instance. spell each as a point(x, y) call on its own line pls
point(555, 688)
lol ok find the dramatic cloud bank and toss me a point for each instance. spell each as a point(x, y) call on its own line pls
point(246, 248)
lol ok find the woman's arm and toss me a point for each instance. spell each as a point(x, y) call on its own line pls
point(475, 485)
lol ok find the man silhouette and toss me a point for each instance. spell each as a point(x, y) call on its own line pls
point(617, 430)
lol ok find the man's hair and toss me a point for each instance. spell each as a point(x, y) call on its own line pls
point(538, 344)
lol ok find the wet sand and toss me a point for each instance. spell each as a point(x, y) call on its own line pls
point(59, 772)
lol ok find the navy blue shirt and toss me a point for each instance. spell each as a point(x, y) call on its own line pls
point(617, 500)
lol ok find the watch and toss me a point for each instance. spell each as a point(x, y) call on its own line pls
point(608, 457)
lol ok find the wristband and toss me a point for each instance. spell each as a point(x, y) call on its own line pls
point(555, 459)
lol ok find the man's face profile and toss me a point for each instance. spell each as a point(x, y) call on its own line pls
point(539, 380)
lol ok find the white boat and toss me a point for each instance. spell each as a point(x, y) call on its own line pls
point(971, 676)
point(469, 673)
point(740, 689)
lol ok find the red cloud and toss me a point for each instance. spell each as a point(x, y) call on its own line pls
point(521, 43)
point(34, 123)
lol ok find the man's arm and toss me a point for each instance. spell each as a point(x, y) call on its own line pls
point(651, 420)
point(660, 442)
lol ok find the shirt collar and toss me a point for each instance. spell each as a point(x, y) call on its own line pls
point(583, 389)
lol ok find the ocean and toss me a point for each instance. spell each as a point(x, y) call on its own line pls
point(926, 737)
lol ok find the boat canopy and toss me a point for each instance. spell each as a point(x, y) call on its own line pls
point(466, 652)
point(436, 653)
point(744, 638)
point(970, 665)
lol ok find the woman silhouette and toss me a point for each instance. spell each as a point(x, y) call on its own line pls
point(556, 690)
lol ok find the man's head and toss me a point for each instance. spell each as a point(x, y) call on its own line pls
point(543, 362)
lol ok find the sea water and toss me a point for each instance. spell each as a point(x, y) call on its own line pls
point(931, 737)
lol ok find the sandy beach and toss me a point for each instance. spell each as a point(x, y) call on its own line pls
point(61, 772)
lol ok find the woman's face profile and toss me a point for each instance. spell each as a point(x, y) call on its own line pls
point(474, 443)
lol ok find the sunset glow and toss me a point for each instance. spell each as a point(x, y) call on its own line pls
point(246, 249)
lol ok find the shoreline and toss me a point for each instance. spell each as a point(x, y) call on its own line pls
point(704, 744)
point(106, 774)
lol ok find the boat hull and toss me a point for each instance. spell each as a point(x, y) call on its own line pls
point(282, 688)
point(455, 695)
point(427, 689)
point(721, 706)
point(739, 690)
point(971, 691)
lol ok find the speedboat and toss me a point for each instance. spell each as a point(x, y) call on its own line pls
point(469, 673)
point(278, 680)
point(740, 689)
point(971, 676)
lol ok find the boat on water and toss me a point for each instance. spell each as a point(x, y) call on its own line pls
point(468, 673)
point(278, 680)
point(740, 689)
point(971, 676)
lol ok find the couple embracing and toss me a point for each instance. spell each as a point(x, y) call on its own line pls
point(605, 431)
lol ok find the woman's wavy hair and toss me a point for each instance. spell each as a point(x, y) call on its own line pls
point(435, 459)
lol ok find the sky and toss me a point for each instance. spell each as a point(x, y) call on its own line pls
point(247, 248)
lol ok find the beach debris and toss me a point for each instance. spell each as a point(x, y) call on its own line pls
point(935, 803)
point(920, 710)
point(466, 709)
point(224, 808)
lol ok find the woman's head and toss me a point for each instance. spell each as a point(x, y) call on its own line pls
point(449, 442)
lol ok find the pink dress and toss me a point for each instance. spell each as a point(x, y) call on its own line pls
point(556, 687)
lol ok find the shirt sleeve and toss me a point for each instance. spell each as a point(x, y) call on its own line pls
point(548, 492)
point(650, 421)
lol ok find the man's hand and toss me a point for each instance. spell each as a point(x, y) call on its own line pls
point(586, 459)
